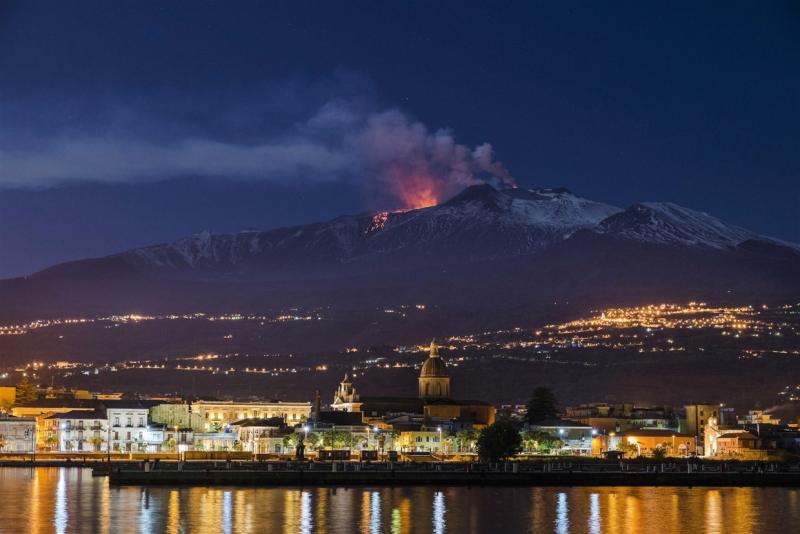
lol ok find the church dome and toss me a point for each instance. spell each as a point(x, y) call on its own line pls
point(434, 366)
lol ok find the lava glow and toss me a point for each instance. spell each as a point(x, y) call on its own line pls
point(420, 190)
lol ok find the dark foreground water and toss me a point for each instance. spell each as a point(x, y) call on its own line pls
point(70, 500)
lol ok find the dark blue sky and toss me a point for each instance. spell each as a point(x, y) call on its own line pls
point(129, 123)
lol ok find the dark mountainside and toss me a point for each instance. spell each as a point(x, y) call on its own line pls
point(484, 255)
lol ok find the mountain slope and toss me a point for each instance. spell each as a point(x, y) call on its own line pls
point(505, 253)
point(478, 224)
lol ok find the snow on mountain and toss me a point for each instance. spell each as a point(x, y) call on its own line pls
point(670, 224)
point(480, 223)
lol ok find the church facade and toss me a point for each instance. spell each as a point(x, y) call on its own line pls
point(434, 399)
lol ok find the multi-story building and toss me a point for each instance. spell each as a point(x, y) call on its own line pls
point(420, 441)
point(41, 409)
point(608, 418)
point(697, 417)
point(260, 436)
point(17, 434)
point(77, 431)
point(217, 415)
point(128, 425)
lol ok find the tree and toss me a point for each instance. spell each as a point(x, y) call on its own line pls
point(290, 441)
point(465, 440)
point(314, 440)
point(96, 441)
point(542, 405)
point(660, 451)
point(628, 450)
point(171, 443)
point(498, 441)
point(2, 442)
point(541, 442)
point(26, 392)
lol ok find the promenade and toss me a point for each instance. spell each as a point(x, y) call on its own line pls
point(545, 473)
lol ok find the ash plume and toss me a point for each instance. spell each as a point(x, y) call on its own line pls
point(291, 131)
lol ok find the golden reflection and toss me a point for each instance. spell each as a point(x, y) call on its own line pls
point(105, 505)
point(365, 512)
point(321, 511)
point(405, 516)
point(243, 511)
point(291, 511)
point(613, 512)
point(633, 517)
point(174, 512)
point(713, 512)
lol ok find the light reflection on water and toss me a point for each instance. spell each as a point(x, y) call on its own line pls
point(71, 500)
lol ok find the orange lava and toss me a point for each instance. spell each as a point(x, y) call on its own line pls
point(417, 191)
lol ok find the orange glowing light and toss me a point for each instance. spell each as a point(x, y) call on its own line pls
point(417, 191)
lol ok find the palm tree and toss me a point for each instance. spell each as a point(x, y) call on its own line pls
point(466, 440)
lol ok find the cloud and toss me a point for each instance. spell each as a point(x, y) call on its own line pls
point(290, 131)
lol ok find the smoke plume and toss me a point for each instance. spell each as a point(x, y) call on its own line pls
point(292, 131)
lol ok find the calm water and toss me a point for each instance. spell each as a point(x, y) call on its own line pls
point(70, 500)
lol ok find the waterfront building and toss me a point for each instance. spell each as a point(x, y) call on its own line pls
point(697, 416)
point(17, 434)
point(647, 440)
point(737, 441)
point(420, 441)
point(77, 431)
point(177, 438)
point(128, 425)
point(261, 436)
point(218, 415)
point(607, 418)
point(41, 409)
point(214, 441)
point(576, 438)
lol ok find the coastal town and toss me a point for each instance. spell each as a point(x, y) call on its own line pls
point(428, 425)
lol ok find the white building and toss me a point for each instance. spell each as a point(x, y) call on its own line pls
point(80, 431)
point(128, 421)
point(17, 434)
point(220, 414)
point(214, 441)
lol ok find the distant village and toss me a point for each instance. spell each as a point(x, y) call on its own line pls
point(431, 425)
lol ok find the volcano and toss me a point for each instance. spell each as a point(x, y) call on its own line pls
point(499, 252)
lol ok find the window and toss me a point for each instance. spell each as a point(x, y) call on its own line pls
point(141, 421)
point(130, 421)
point(116, 421)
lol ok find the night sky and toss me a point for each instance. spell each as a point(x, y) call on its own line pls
point(130, 123)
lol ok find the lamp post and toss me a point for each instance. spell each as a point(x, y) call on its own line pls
point(439, 429)
point(33, 440)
